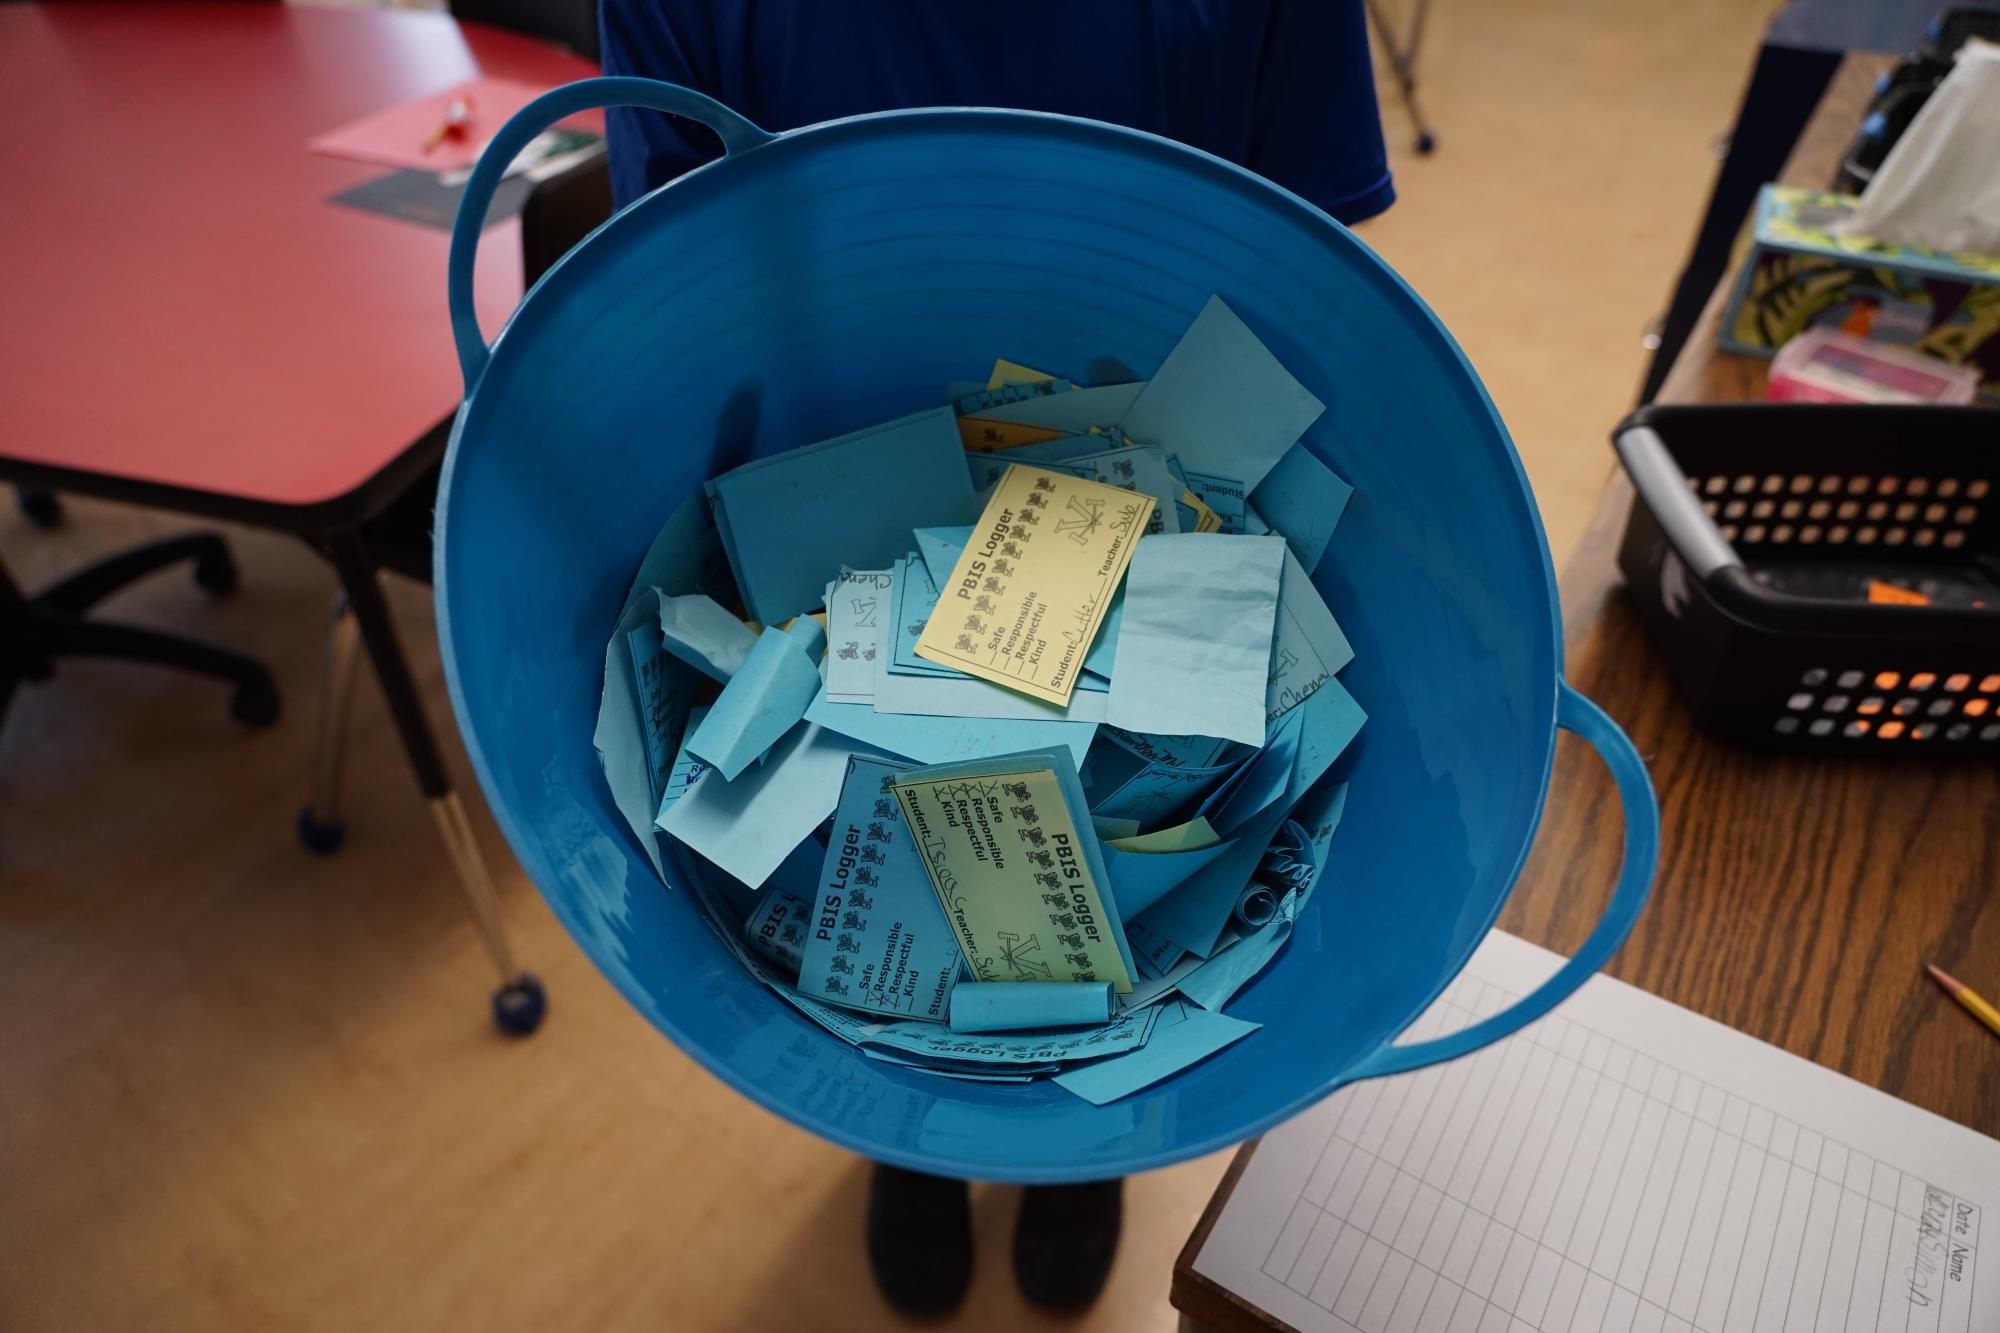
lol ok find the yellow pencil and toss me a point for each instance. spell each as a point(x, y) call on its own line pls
point(1966, 996)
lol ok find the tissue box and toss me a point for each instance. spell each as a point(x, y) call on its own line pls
point(1801, 276)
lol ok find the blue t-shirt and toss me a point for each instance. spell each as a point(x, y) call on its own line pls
point(1282, 87)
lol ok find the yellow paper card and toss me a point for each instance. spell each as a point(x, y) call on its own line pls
point(1030, 589)
point(1012, 372)
point(1008, 867)
point(1205, 519)
point(985, 437)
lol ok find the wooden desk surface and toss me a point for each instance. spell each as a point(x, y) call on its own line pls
point(1797, 899)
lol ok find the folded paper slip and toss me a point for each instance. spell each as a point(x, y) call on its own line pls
point(1016, 1006)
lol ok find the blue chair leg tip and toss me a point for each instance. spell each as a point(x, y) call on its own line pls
point(520, 1005)
point(1426, 144)
point(320, 837)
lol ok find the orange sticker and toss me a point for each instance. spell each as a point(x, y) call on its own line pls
point(1888, 594)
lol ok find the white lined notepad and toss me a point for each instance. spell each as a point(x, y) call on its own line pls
point(1621, 1166)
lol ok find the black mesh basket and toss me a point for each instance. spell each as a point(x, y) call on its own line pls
point(1824, 579)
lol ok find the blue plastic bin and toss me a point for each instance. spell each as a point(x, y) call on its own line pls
point(821, 280)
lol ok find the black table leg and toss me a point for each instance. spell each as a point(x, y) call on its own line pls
point(519, 1003)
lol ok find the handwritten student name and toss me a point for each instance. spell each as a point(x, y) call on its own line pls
point(1920, 1278)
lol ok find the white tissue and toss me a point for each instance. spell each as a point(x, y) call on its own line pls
point(1940, 185)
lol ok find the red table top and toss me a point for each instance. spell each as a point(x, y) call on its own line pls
point(182, 305)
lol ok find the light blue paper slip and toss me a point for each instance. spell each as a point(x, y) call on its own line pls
point(877, 940)
point(1183, 1035)
point(766, 696)
point(1222, 402)
point(1307, 647)
point(1015, 1006)
point(780, 517)
point(858, 614)
point(700, 632)
point(1195, 642)
point(1302, 500)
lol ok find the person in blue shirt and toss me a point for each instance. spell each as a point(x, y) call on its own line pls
point(1282, 87)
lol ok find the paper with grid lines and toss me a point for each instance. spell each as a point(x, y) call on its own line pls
point(1621, 1164)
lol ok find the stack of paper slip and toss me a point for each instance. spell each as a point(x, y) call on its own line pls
point(1021, 769)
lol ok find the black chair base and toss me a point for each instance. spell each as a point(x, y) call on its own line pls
point(37, 631)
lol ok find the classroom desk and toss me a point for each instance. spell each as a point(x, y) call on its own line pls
point(1797, 899)
point(191, 325)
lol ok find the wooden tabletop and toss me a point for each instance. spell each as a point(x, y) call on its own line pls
point(184, 307)
point(1797, 899)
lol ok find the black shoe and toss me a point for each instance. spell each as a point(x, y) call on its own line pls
point(919, 1241)
point(1065, 1241)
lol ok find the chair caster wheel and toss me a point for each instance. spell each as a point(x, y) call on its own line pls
point(41, 508)
point(1426, 144)
point(216, 574)
point(255, 704)
point(520, 1005)
point(320, 837)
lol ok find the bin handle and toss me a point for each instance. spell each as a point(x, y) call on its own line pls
point(1576, 714)
point(1662, 485)
point(737, 134)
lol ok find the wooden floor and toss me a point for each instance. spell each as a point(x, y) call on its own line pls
point(244, 1089)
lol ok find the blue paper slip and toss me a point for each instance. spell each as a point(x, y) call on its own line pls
point(878, 940)
point(1222, 401)
point(939, 548)
point(776, 928)
point(985, 401)
point(1250, 521)
point(1140, 879)
point(1077, 410)
point(969, 1073)
point(944, 740)
point(663, 703)
point(1019, 1006)
point(686, 768)
point(1302, 500)
point(1195, 642)
point(1154, 795)
point(859, 615)
point(748, 826)
point(1194, 914)
point(1179, 751)
point(1183, 1035)
point(699, 631)
point(625, 714)
point(764, 699)
point(786, 525)
point(686, 556)
point(1214, 983)
point(1156, 954)
point(914, 595)
point(1307, 647)
point(1262, 779)
point(930, 1041)
point(1109, 828)
point(1160, 982)
point(1142, 469)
